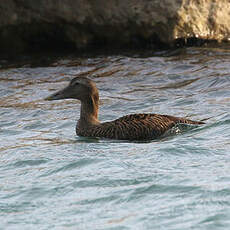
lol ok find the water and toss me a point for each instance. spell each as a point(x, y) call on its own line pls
point(52, 179)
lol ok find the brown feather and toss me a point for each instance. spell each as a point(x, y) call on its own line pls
point(135, 127)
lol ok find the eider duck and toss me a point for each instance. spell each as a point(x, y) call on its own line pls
point(129, 127)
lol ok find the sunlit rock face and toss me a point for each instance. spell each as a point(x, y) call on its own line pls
point(206, 19)
point(34, 24)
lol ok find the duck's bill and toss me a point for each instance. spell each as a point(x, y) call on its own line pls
point(62, 94)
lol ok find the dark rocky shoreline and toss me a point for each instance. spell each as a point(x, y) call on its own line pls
point(28, 26)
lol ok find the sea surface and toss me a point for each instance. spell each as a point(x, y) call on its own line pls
point(52, 179)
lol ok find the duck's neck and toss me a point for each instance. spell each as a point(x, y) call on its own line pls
point(89, 111)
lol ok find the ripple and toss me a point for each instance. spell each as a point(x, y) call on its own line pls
point(51, 179)
point(25, 163)
point(73, 165)
point(159, 189)
point(107, 183)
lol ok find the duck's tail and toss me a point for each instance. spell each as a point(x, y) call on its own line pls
point(185, 121)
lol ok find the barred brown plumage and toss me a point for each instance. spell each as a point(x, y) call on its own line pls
point(130, 127)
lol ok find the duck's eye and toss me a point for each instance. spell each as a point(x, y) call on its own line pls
point(75, 83)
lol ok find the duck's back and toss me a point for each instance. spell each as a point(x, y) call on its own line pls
point(135, 127)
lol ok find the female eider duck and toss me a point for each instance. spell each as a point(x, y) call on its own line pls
point(130, 127)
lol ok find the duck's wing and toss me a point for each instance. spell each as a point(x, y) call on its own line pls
point(142, 126)
point(137, 127)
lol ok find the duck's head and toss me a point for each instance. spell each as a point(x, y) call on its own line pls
point(80, 88)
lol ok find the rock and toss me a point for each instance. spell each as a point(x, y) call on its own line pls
point(204, 19)
point(28, 25)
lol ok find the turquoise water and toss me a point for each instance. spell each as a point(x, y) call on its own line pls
point(52, 179)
